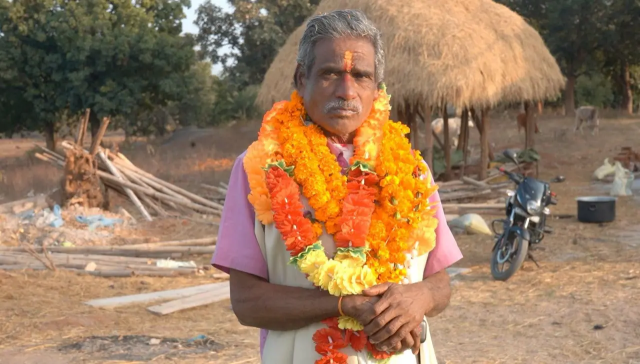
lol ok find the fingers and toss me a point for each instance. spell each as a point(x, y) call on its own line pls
point(415, 334)
point(371, 311)
point(394, 337)
point(380, 321)
point(376, 290)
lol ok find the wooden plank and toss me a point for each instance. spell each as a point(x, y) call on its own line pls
point(221, 292)
point(150, 297)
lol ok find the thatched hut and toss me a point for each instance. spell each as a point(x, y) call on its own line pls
point(471, 54)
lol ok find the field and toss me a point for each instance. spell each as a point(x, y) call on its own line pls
point(579, 306)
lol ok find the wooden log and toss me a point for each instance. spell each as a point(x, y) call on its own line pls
point(473, 182)
point(95, 143)
point(128, 191)
point(82, 128)
point(68, 258)
point(130, 172)
point(119, 251)
point(149, 297)
point(463, 195)
point(150, 179)
point(215, 188)
point(473, 206)
point(174, 188)
point(219, 293)
point(158, 195)
point(101, 265)
point(132, 273)
point(188, 242)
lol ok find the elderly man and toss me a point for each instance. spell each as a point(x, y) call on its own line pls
point(331, 231)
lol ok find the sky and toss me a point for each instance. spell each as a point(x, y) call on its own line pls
point(189, 27)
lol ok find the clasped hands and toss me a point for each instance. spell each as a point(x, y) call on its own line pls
point(391, 314)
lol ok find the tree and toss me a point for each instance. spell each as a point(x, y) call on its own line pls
point(620, 52)
point(572, 29)
point(197, 107)
point(254, 32)
point(113, 56)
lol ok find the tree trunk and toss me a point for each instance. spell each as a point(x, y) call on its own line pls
point(447, 143)
point(627, 95)
point(95, 124)
point(569, 96)
point(530, 126)
point(50, 135)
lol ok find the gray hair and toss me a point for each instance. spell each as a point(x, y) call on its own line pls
point(338, 24)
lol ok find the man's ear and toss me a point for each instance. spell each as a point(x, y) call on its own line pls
point(299, 79)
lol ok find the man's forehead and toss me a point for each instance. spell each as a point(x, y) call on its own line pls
point(333, 51)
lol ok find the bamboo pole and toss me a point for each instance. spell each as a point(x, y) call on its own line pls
point(128, 191)
point(188, 242)
point(149, 192)
point(82, 128)
point(158, 195)
point(95, 143)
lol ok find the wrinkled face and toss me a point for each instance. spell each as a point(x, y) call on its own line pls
point(340, 88)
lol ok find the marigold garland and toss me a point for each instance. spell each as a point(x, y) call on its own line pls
point(379, 214)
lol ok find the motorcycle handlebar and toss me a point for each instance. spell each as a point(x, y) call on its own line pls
point(512, 176)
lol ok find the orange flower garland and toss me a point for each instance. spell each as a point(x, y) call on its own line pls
point(379, 213)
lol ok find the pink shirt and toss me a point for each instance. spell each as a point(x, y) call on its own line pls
point(238, 248)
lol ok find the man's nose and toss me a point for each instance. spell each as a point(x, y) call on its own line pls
point(346, 89)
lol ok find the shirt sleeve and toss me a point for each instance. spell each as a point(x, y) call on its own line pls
point(237, 247)
point(446, 252)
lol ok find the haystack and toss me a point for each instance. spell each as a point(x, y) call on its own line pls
point(466, 53)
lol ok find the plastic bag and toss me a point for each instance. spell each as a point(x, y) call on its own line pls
point(622, 181)
point(471, 224)
point(604, 170)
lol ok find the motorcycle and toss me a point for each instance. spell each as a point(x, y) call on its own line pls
point(526, 223)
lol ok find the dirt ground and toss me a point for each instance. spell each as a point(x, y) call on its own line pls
point(579, 306)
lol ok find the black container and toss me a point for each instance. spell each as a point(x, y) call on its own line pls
point(596, 209)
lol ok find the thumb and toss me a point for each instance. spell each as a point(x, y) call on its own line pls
point(376, 290)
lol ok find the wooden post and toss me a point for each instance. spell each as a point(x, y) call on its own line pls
point(484, 143)
point(540, 107)
point(463, 141)
point(428, 137)
point(530, 129)
point(82, 128)
point(447, 143)
point(95, 143)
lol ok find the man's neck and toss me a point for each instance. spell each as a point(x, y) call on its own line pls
point(340, 139)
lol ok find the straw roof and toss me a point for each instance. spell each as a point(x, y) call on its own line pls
point(465, 52)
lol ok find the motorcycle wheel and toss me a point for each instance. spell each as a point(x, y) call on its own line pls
point(514, 261)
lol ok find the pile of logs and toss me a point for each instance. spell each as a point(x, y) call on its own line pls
point(109, 261)
point(143, 189)
point(468, 188)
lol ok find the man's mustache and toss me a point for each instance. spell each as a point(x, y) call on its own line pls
point(340, 104)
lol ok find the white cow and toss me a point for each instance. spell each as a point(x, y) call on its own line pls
point(437, 126)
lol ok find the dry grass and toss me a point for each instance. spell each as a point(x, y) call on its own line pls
point(46, 308)
point(484, 54)
point(589, 274)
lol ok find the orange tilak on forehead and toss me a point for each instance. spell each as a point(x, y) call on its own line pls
point(348, 61)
